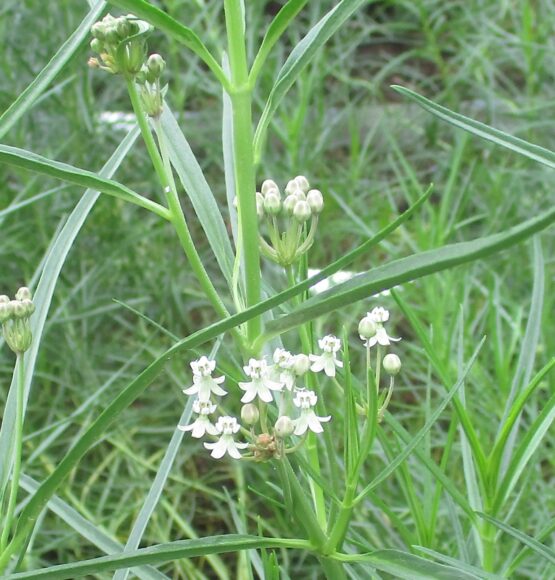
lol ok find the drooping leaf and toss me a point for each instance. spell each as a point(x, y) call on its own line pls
point(482, 130)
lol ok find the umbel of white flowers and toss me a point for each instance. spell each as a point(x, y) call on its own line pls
point(282, 379)
point(15, 320)
point(287, 221)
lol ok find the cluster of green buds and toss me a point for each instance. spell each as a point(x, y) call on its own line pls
point(291, 222)
point(149, 80)
point(14, 318)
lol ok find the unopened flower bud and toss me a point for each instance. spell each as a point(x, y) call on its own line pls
point(93, 62)
point(272, 203)
point(123, 28)
point(156, 65)
point(302, 211)
point(259, 205)
point(292, 188)
point(284, 427)
point(250, 414)
point(367, 327)
point(23, 294)
point(98, 30)
point(289, 204)
point(269, 185)
point(301, 364)
point(302, 182)
point(97, 45)
point(392, 364)
point(315, 200)
point(18, 309)
point(29, 307)
point(5, 311)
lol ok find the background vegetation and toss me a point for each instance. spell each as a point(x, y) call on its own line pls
point(371, 152)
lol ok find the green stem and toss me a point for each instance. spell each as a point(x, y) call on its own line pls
point(14, 486)
point(163, 170)
point(243, 158)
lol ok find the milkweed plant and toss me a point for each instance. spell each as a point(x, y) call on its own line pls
point(277, 409)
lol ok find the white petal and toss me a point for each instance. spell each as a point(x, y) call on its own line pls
point(329, 367)
point(232, 449)
point(199, 429)
point(218, 449)
point(272, 385)
point(191, 390)
point(317, 365)
point(314, 424)
point(211, 429)
point(264, 394)
point(301, 425)
point(218, 380)
point(218, 391)
point(372, 341)
point(186, 428)
point(249, 396)
point(338, 364)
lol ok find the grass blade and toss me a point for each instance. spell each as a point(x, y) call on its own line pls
point(482, 130)
point(406, 269)
point(199, 192)
point(28, 97)
point(33, 162)
point(88, 530)
point(159, 554)
point(472, 570)
point(537, 547)
point(299, 58)
point(43, 297)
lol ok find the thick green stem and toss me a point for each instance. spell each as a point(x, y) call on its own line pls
point(14, 486)
point(243, 158)
point(163, 170)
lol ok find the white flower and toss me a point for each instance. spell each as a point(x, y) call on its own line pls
point(283, 368)
point(261, 384)
point(204, 385)
point(306, 400)
point(227, 426)
point(379, 315)
point(202, 424)
point(327, 361)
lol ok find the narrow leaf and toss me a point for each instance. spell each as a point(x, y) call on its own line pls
point(82, 177)
point(28, 97)
point(407, 269)
point(525, 148)
point(299, 58)
point(196, 187)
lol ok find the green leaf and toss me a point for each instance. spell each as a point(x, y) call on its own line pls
point(299, 58)
point(175, 29)
point(134, 389)
point(159, 554)
point(515, 144)
point(407, 269)
point(410, 567)
point(471, 570)
point(524, 452)
point(537, 547)
point(28, 97)
point(277, 27)
point(33, 162)
point(88, 530)
point(43, 297)
point(417, 439)
point(196, 187)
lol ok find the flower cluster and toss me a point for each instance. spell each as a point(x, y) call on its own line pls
point(265, 382)
point(289, 232)
point(14, 318)
point(120, 43)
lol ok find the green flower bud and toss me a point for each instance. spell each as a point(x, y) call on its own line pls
point(315, 201)
point(292, 188)
point(156, 65)
point(284, 427)
point(272, 203)
point(97, 45)
point(98, 30)
point(301, 364)
point(367, 328)
point(5, 311)
point(392, 364)
point(123, 28)
point(250, 414)
point(259, 205)
point(29, 307)
point(23, 294)
point(302, 211)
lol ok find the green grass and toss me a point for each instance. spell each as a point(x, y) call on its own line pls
point(372, 152)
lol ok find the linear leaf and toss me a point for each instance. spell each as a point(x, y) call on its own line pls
point(43, 297)
point(159, 554)
point(277, 27)
point(33, 162)
point(299, 58)
point(175, 29)
point(88, 530)
point(539, 548)
point(482, 130)
point(407, 269)
point(472, 570)
point(28, 97)
point(196, 187)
